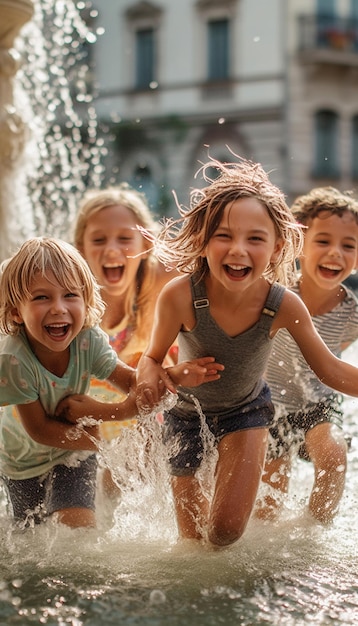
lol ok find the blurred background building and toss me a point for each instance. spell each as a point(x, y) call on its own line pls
point(274, 81)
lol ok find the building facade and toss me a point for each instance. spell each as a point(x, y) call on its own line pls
point(274, 81)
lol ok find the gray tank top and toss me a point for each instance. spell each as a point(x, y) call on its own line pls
point(244, 356)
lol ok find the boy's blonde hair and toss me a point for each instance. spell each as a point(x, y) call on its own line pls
point(323, 199)
point(95, 200)
point(182, 241)
point(41, 255)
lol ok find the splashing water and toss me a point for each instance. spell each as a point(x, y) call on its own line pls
point(132, 570)
point(63, 154)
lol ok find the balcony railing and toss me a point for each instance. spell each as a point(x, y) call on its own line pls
point(326, 32)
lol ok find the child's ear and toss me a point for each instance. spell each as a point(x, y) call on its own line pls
point(277, 250)
point(16, 316)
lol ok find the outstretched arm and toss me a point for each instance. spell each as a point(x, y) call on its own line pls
point(152, 378)
point(331, 370)
point(187, 373)
point(196, 372)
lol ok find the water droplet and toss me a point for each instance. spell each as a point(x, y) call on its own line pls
point(157, 597)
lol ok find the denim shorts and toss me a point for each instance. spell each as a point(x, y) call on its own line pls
point(184, 438)
point(63, 487)
point(288, 432)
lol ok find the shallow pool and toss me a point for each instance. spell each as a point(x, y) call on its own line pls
point(132, 570)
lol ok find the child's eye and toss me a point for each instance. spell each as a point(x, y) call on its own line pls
point(125, 239)
point(39, 297)
point(98, 240)
point(222, 235)
point(72, 294)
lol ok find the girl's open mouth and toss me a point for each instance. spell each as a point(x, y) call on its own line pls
point(113, 274)
point(237, 271)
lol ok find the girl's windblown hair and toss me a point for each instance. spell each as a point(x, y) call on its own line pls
point(181, 241)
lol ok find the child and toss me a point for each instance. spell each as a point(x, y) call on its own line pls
point(49, 306)
point(233, 244)
point(129, 275)
point(308, 411)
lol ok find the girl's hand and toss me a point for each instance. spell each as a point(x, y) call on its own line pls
point(152, 382)
point(72, 408)
point(196, 372)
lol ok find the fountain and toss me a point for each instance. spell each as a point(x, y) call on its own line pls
point(13, 132)
point(49, 147)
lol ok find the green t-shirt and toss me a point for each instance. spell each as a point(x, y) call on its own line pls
point(24, 380)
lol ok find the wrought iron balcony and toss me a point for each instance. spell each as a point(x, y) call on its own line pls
point(328, 39)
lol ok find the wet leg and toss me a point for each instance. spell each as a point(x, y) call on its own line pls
point(238, 474)
point(76, 517)
point(276, 477)
point(191, 507)
point(327, 448)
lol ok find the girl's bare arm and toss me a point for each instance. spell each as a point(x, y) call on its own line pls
point(76, 407)
point(169, 317)
point(123, 376)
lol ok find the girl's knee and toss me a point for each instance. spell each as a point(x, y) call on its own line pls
point(225, 534)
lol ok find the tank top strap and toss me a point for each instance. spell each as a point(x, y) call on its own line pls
point(272, 303)
point(198, 290)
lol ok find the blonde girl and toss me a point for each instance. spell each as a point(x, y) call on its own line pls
point(130, 277)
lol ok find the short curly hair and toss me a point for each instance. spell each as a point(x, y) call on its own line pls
point(323, 199)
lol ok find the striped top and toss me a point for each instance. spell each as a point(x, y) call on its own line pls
point(293, 384)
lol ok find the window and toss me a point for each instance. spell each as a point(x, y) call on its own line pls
point(144, 23)
point(326, 7)
point(355, 147)
point(218, 49)
point(145, 58)
point(326, 130)
point(142, 180)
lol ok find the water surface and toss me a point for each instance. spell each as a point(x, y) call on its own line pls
point(132, 570)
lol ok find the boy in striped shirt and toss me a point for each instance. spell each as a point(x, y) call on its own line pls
point(308, 416)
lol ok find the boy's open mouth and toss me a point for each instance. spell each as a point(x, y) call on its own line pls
point(57, 330)
point(329, 271)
